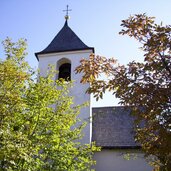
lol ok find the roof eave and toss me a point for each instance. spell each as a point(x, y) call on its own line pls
point(120, 147)
point(41, 53)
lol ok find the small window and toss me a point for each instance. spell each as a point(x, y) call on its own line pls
point(65, 71)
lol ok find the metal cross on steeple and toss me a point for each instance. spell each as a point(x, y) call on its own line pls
point(67, 10)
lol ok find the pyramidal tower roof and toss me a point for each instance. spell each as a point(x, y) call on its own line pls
point(65, 40)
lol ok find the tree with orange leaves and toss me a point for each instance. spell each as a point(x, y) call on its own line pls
point(144, 86)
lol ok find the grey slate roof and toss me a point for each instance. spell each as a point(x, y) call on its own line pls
point(65, 40)
point(112, 127)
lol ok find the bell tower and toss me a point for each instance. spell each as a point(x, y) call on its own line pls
point(64, 52)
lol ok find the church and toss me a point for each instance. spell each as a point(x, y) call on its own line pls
point(110, 127)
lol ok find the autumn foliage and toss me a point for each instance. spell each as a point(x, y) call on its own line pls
point(144, 86)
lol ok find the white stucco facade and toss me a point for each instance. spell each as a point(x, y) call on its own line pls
point(78, 90)
point(114, 160)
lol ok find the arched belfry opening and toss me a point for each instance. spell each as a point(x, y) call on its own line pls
point(64, 69)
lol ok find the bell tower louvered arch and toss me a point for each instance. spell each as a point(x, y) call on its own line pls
point(65, 52)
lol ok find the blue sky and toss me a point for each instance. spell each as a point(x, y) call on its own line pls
point(96, 22)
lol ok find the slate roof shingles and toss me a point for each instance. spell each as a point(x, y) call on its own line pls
point(65, 40)
point(113, 127)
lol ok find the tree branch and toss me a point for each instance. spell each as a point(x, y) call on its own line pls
point(165, 63)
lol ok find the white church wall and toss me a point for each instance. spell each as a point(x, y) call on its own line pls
point(78, 90)
point(114, 160)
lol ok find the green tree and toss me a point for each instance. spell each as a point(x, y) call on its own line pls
point(145, 87)
point(37, 120)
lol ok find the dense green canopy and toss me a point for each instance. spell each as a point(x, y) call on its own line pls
point(37, 119)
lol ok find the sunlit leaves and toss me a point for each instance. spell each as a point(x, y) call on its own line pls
point(37, 119)
point(145, 87)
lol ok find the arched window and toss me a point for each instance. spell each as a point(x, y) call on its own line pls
point(65, 71)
